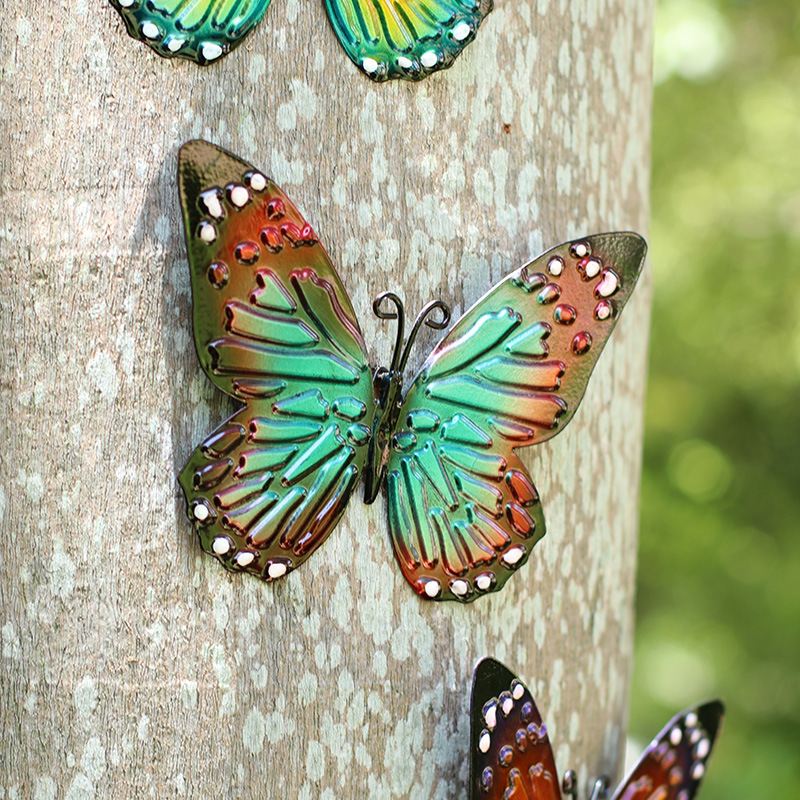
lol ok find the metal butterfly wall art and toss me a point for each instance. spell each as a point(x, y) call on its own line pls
point(275, 329)
point(384, 38)
point(511, 756)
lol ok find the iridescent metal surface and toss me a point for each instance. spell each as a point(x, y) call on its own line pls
point(409, 39)
point(274, 328)
point(511, 754)
point(463, 511)
point(201, 30)
point(384, 38)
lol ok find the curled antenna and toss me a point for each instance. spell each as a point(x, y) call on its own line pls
point(432, 322)
point(600, 789)
point(399, 313)
point(569, 784)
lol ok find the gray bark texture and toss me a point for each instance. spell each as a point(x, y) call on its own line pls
point(133, 665)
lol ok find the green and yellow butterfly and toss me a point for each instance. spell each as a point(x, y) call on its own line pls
point(385, 38)
point(275, 329)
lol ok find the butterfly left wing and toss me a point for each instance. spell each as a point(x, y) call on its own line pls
point(511, 756)
point(409, 39)
point(673, 765)
point(463, 512)
point(274, 329)
point(200, 30)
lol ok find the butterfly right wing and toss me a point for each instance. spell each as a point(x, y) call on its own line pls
point(200, 30)
point(511, 756)
point(409, 39)
point(673, 765)
point(463, 512)
point(274, 329)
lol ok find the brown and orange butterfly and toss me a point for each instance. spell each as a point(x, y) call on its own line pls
point(275, 329)
point(512, 758)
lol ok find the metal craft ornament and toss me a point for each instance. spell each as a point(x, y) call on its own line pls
point(275, 329)
point(511, 755)
point(384, 38)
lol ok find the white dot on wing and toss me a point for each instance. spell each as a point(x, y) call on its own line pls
point(369, 65)
point(461, 31)
point(258, 182)
point(208, 233)
point(490, 716)
point(429, 59)
point(210, 51)
point(702, 749)
point(221, 545)
point(239, 196)
point(150, 30)
point(276, 570)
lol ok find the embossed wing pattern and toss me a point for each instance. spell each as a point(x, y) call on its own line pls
point(674, 764)
point(200, 30)
point(387, 39)
point(384, 38)
point(512, 759)
point(275, 330)
point(511, 754)
point(464, 513)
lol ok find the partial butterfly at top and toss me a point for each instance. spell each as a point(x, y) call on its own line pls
point(274, 328)
point(511, 756)
point(386, 38)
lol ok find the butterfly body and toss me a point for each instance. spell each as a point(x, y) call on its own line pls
point(512, 758)
point(389, 396)
point(386, 39)
point(275, 329)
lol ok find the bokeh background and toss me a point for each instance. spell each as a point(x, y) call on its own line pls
point(719, 573)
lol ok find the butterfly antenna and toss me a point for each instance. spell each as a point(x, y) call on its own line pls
point(399, 313)
point(569, 784)
point(431, 322)
point(600, 789)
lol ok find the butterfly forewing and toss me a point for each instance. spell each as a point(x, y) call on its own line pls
point(674, 764)
point(463, 512)
point(200, 30)
point(273, 328)
point(411, 39)
point(511, 756)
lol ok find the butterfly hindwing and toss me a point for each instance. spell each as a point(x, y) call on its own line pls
point(200, 30)
point(387, 39)
point(463, 512)
point(274, 329)
point(673, 765)
point(511, 756)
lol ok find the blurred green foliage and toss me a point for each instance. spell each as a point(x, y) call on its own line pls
point(719, 570)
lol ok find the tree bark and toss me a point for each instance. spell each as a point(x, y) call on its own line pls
point(132, 664)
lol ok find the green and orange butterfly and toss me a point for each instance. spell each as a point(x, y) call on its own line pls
point(275, 329)
point(384, 38)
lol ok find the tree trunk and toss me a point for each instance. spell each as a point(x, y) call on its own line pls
point(132, 664)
